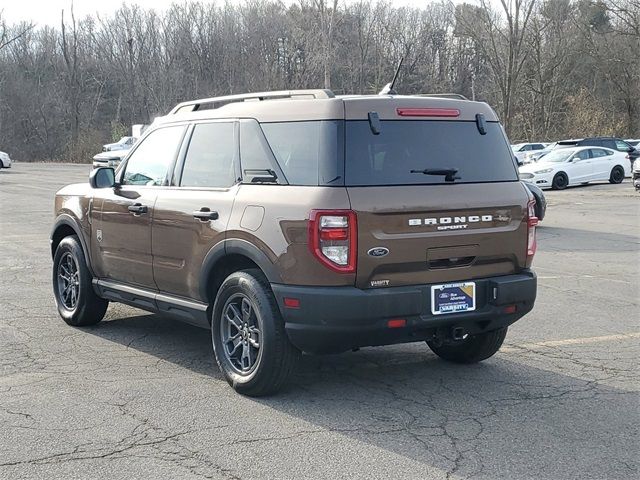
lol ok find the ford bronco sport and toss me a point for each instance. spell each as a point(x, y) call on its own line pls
point(300, 221)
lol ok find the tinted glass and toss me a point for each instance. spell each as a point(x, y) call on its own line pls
point(210, 159)
point(597, 152)
point(622, 146)
point(149, 163)
point(309, 153)
point(402, 146)
point(582, 155)
point(255, 155)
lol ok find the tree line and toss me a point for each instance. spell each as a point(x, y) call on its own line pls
point(552, 69)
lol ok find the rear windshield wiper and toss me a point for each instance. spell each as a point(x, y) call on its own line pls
point(449, 173)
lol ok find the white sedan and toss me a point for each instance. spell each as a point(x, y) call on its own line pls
point(573, 166)
point(5, 161)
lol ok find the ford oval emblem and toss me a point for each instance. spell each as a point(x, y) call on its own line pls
point(378, 251)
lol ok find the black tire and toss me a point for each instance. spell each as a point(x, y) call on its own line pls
point(84, 307)
point(269, 366)
point(472, 349)
point(560, 181)
point(617, 175)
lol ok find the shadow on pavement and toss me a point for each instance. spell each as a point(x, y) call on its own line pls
point(501, 418)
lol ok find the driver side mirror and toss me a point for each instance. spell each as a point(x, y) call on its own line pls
point(102, 177)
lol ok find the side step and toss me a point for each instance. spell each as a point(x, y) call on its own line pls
point(188, 311)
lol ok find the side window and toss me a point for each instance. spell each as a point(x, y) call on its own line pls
point(597, 152)
point(255, 155)
point(583, 154)
point(609, 144)
point(149, 163)
point(622, 146)
point(526, 148)
point(211, 156)
point(537, 146)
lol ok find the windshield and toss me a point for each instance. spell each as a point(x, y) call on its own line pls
point(557, 156)
point(420, 145)
point(517, 147)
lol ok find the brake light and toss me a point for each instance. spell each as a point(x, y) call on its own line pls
point(333, 239)
point(428, 112)
point(532, 221)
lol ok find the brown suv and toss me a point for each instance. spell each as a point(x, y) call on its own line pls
point(301, 221)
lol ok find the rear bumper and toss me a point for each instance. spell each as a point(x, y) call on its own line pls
point(342, 318)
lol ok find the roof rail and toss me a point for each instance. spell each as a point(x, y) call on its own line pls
point(455, 96)
point(217, 102)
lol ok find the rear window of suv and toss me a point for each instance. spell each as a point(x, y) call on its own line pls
point(335, 152)
point(402, 146)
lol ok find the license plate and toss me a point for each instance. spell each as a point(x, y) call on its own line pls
point(453, 297)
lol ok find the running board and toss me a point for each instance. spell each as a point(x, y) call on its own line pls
point(189, 311)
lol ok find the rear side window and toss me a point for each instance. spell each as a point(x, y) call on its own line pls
point(598, 152)
point(622, 146)
point(256, 157)
point(402, 146)
point(309, 153)
point(211, 156)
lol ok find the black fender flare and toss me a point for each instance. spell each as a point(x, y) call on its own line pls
point(235, 246)
point(65, 219)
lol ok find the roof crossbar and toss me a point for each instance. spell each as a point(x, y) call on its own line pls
point(217, 102)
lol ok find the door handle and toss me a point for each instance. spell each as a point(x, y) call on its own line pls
point(205, 214)
point(138, 209)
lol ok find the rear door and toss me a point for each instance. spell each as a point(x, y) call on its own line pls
point(415, 226)
point(601, 163)
point(580, 169)
point(192, 215)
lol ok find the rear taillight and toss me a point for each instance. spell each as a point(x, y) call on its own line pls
point(333, 239)
point(532, 221)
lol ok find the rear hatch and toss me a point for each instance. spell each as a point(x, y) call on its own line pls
point(417, 226)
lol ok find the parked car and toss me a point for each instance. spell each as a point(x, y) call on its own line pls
point(636, 174)
point(5, 160)
point(125, 143)
point(109, 159)
point(298, 221)
point(535, 155)
point(523, 151)
point(608, 142)
point(563, 167)
point(634, 142)
point(541, 201)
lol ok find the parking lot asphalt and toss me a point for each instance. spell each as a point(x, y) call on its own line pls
point(139, 396)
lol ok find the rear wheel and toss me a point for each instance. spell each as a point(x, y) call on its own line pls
point(472, 349)
point(250, 344)
point(560, 181)
point(617, 175)
point(78, 304)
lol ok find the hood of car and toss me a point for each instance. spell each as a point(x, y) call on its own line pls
point(536, 167)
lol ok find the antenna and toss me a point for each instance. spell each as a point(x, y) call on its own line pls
point(388, 88)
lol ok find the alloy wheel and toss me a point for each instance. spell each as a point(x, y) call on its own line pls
point(240, 333)
point(68, 281)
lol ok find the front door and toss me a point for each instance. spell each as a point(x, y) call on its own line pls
point(122, 216)
point(192, 215)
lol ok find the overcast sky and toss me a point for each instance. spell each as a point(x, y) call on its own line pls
point(48, 11)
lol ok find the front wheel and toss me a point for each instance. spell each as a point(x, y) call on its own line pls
point(472, 349)
point(617, 175)
point(249, 340)
point(78, 304)
point(560, 181)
